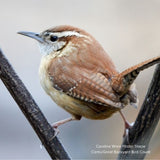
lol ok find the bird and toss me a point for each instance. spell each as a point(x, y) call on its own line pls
point(80, 77)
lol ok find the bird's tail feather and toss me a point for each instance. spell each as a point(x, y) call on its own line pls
point(121, 82)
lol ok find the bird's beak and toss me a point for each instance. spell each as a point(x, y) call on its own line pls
point(33, 35)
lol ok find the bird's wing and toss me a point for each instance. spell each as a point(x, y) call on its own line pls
point(84, 85)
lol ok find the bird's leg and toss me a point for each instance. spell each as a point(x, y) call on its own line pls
point(57, 124)
point(127, 125)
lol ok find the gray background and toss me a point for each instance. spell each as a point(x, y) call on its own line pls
point(128, 30)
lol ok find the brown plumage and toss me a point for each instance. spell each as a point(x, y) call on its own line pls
point(80, 76)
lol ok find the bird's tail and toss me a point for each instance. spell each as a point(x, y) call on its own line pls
point(121, 82)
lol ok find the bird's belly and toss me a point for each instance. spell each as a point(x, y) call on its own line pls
point(77, 107)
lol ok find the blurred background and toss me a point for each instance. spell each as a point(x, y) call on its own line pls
point(128, 30)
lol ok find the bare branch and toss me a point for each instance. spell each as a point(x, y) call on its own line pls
point(135, 145)
point(31, 110)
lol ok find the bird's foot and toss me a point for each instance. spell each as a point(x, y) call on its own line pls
point(56, 131)
point(127, 126)
point(57, 124)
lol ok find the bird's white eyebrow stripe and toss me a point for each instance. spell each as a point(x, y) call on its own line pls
point(68, 34)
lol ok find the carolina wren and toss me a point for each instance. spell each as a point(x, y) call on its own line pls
point(80, 77)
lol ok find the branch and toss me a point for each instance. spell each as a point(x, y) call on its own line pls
point(145, 124)
point(31, 110)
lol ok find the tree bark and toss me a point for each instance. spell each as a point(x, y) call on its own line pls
point(31, 110)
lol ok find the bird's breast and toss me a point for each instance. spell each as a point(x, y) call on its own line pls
point(46, 81)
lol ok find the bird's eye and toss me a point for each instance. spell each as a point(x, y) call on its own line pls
point(53, 38)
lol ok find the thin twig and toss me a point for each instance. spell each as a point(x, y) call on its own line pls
point(135, 145)
point(31, 110)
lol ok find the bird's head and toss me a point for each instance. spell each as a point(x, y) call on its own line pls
point(57, 38)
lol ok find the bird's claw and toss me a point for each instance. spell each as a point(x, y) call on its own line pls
point(126, 130)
